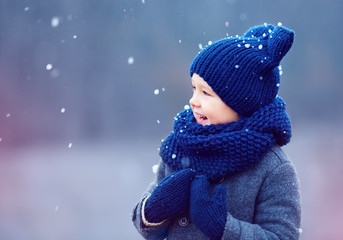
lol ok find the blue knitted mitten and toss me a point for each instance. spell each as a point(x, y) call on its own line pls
point(208, 213)
point(170, 196)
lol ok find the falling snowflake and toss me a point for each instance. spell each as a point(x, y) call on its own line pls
point(49, 66)
point(63, 110)
point(154, 168)
point(156, 91)
point(131, 60)
point(55, 21)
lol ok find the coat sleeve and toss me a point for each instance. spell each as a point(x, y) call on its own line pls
point(277, 209)
point(150, 232)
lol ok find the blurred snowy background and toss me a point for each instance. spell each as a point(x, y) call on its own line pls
point(88, 88)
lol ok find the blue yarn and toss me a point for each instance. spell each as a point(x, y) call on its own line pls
point(170, 197)
point(243, 71)
point(220, 150)
point(208, 212)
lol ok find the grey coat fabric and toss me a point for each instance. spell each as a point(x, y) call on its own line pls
point(263, 203)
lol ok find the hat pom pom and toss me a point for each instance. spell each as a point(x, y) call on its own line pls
point(279, 42)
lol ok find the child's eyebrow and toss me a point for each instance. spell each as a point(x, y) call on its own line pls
point(207, 88)
point(203, 86)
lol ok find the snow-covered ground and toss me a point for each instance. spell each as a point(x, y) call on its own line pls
point(83, 192)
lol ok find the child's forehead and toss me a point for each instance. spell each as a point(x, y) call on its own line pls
point(196, 79)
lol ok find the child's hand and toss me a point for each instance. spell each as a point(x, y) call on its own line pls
point(208, 213)
point(170, 196)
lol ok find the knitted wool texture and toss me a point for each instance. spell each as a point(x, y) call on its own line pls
point(220, 150)
point(209, 213)
point(243, 71)
point(170, 197)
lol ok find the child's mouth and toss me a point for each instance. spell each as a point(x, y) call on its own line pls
point(201, 119)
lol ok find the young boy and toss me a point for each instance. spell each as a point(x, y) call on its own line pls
point(223, 174)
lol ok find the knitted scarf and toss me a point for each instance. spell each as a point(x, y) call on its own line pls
point(220, 150)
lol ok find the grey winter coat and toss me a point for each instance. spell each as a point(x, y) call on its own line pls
point(263, 203)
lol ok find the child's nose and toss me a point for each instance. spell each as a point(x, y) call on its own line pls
point(194, 102)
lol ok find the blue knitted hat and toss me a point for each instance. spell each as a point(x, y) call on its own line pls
point(243, 71)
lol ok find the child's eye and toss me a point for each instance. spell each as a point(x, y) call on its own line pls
point(207, 94)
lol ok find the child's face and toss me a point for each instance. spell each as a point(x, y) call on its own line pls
point(207, 106)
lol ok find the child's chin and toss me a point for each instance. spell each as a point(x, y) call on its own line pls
point(203, 122)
